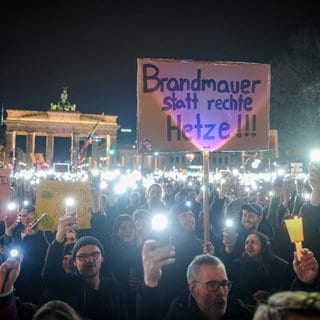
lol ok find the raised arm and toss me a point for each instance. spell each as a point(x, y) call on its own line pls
point(149, 296)
point(52, 272)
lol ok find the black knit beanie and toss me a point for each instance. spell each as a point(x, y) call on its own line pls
point(175, 212)
point(84, 241)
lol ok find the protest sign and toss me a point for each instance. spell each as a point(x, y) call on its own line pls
point(52, 196)
point(4, 191)
point(186, 105)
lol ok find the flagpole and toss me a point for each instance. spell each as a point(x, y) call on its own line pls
point(88, 140)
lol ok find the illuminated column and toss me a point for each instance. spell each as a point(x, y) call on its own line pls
point(108, 151)
point(11, 146)
point(71, 148)
point(49, 147)
point(30, 144)
point(75, 146)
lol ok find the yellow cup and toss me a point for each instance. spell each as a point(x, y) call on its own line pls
point(295, 229)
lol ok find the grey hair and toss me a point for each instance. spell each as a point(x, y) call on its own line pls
point(282, 304)
point(198, 262)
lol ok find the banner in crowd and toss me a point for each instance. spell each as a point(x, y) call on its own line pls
point(273, 151)
point(4, 191)
point(192, 106)
point(51, 198)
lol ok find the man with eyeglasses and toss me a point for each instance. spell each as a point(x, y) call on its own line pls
point(208, 296)
point(92, 295)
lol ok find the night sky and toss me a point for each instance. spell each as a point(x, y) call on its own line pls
point(92, 47)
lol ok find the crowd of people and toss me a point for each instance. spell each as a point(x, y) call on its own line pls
point(123, 267)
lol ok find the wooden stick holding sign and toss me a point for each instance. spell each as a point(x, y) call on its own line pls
point(206, 220)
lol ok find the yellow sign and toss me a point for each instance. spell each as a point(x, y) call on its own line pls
point(52, 196)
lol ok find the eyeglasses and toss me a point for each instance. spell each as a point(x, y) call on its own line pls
point(84, 257)
point(213, 286)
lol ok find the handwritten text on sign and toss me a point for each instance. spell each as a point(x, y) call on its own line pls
point(194, 106)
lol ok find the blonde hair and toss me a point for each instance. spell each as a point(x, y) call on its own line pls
point(56, 309)
point(284, 303)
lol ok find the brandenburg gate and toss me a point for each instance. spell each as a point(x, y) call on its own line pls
point(62, 120)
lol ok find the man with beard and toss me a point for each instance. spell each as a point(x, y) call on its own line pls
point(208, 296)
point(90, 294)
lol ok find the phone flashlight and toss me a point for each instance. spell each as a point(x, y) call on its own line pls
point(14, 252)
point(12, 213)
point(229, 223)
point(230, 230)
point(161, 229)
point(71, 206)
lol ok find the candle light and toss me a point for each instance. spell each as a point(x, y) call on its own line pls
point(295, 230)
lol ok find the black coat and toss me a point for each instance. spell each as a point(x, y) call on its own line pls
point(29, 285)
point(311, 227)
point(184, 307)
point(106, 303)
point(187, 246)
point(249, 276)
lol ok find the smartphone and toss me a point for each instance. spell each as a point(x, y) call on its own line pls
point(35, 223)
point(14, 252)
point(163, 237)
point(161, 230)
point(230, 230)
point(13, 213)
point(72, 206)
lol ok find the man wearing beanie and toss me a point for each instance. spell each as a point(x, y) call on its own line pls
point(92, 295)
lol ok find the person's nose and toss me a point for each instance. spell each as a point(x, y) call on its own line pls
point(90, 258)
point(221, 291)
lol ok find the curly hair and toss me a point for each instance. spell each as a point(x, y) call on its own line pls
point(280, 305)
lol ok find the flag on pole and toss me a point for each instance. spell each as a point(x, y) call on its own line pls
point(87, 141)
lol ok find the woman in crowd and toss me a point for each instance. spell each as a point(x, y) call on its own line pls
point(259, 272)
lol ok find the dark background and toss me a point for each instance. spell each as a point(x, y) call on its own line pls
point(92, 47)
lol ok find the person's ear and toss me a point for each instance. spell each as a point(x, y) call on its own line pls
point(192, 288)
